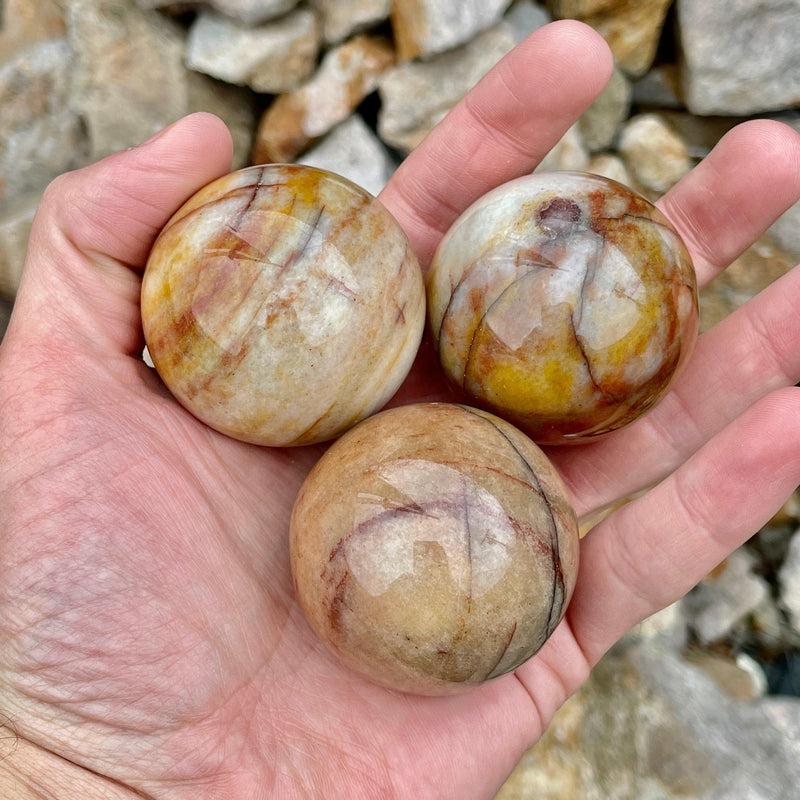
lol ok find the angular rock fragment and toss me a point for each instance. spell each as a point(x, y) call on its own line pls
point(611, 166)
point(656, 156)
point(129, 75)
point(253, 12)
point(424, 28)
point(631, 27)
point(569, 153)
point(601, 121)
point(340, 18)
point(40, 135)
point(348, 73)
point(740, 57)
point(352, 150)
point(416, 96)
point(274, 57)
point(725, 597)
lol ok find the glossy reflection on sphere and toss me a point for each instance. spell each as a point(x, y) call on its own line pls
point(565, 302)
point(433, 548)
point(282, 304)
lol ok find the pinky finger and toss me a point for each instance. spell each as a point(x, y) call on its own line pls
point(654, 550)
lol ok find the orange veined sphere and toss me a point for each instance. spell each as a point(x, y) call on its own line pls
point(433, 548)
point(564, 302)
point(282, 304)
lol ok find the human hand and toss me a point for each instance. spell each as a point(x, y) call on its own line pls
point(150, 645)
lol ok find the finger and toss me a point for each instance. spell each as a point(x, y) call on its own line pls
point(749, 354)
point(652, 551)
point(500, 130)
point(117, 206)
point(725, 203)
point(96, 223)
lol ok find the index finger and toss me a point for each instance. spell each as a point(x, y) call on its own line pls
point(500, 130)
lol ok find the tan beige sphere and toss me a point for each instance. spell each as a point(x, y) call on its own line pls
point(433, 548)
point(282, 304)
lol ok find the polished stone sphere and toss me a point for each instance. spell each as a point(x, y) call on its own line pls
point(564, 302)
point(433, 548)
point(282, 304)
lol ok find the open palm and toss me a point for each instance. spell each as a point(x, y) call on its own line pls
point(150, 644)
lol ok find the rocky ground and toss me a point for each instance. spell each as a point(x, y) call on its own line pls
point(697, 703)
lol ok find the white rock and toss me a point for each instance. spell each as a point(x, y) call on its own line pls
point(416, 96)
point(651, 726)
point(666, 627)
point(569, 153)
point(725, 597)
point(424, 28)
point(252, 12)
point(130, 80)
point(789, 579)
point(353, 151)
point(740, 56)
point(40, 135)
point(340, 18)
point(274, 57)
point(656, 156)
point(611, 166)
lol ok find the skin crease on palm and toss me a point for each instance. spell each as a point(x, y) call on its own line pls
point(150, 645)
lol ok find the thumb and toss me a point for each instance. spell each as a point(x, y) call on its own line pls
point(95, 227)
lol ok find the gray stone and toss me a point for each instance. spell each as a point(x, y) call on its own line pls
point(274, 57)
point(233, 105)
point(601, 121)
point(353, 151)
point(651, 726)
point(129, 76)
point(756, 268)
point(789, 579)
point(740, 57)
point(569, 153)
point(659, 88)
point(15, 227)
point(786, 230)
point(524, 17)
point(424, 28)
point(340, 18)
point(416, 96)
point(252, 12)
point(40, 136)
point(725, 597)
point(656, 156)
